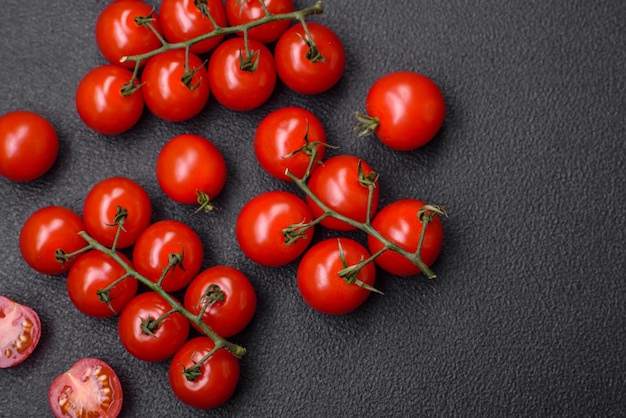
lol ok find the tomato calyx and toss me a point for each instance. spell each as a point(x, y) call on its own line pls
point(313, 54)
point(311, 150)
point(367, 124)
point(205, 202)
point(193, 372)
point(350, 273)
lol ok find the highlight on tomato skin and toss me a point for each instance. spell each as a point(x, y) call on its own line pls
point(20, 331)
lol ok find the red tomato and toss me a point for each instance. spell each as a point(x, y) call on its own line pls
point(182, 20)
point(230, 308)
point(318, 278)
point(399, 223)
point(404, 109)
point(20, 332)
point(101, 206)
point(94, 271)
point(47, 230)
point(336, 183)
point(191, 169)
point(260, 225)
point(146, 338)
point(159, 242)
point(29, 145)
point(284, 132)
point(217, 377)
point(119, 35)
point(236, 88)
point(90, 388)
point(241, 12)
point(167, 95)
point(102, 103)
point(304, 70)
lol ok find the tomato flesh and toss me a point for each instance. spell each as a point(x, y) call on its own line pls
point(20, 330)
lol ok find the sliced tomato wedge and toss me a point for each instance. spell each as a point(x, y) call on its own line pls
point(20, 330)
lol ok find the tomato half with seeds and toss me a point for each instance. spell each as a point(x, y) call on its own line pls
point(240, 12)
point(90, 388)
point(20, 330)
point(285, 140)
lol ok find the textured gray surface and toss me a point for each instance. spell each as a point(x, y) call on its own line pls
point(527, 317)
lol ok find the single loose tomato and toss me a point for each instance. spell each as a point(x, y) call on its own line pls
point(239, 81)
point(404, 109)
point(119, 34)
point(47, 230)
point(242, 12)
point(310, 66)
point(341, 186)
point(110, 199)
point(90, 388)
point(191, 169)
point(262, 223)
point(182, 20)
point(164, 243)
point(95, 271)
point(285, 140)
point(320, 284)
point(399, 222)
point(105, 103)
point(29, 145)
point(225, 295)
point(214, 381)
point(20, 330)
point(170, 91)
point(149, 330)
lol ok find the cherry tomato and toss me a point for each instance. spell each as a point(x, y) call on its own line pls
point(20, 330)
point(119, 35)
point(404, 109)
point(102, 206)
point(231, 305)
point(104, 104)
point(47, 230)
point(218, 376)
point(305, 70)
point(167, 94)
point(260, 225)
point(94, 271)
point(191, 169)
point(182, 20)
point(399, 223)
point(29, 145)
point(285, 140)
point(240, 12)
point(163, 240)
point(90, 388)
point(318, 278)
point(337, 184)
point(241, 89)
point(144, 332)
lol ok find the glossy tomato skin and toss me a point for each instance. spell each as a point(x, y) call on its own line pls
point(89, 388)
point(189, 164)
point(301, 74)
point(96, 270)
point(154, 246)
point(181, 20)
point(283, 132)
point(240, 12)
point(164, 92)
point(21, 331)
point(101, 206)
point(168, 336)
point(101, 104)
point(260, 224)
point(46, 230)
point(336, 183)
point(29, 145)
point(238, 89)
point(218, 378)
point(399, 223)
point(318, 280)
point(118, 35)
point(410, 109)
point(234, 312)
